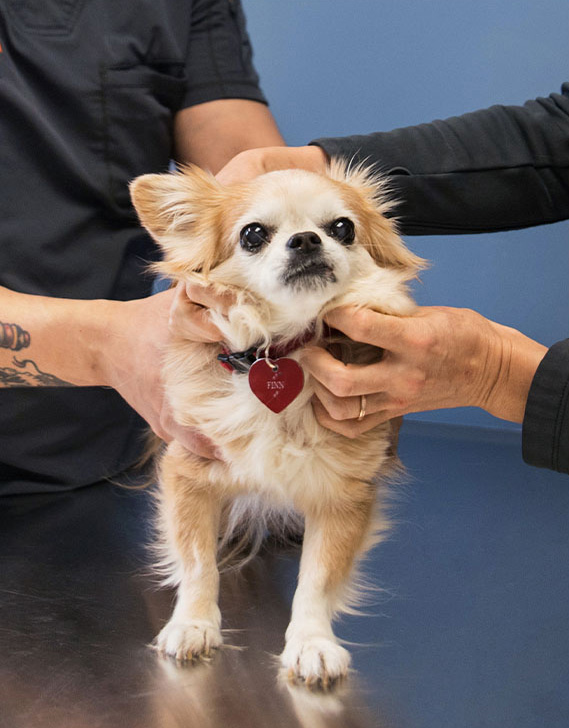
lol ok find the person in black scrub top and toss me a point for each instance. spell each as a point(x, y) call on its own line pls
point(501, 168)
point(92, 95)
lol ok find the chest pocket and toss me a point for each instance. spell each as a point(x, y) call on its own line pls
point(138, 107)
point(46, 17)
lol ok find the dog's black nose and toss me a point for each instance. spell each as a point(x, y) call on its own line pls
point(304, 242)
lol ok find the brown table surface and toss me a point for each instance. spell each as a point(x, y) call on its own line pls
point(470, 631)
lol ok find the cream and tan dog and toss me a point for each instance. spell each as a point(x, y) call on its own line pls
point(290, 245)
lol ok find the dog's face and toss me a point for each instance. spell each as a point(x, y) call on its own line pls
point(293, 238)
point(295, 241)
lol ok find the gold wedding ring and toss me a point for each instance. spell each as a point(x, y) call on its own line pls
point(363, 402)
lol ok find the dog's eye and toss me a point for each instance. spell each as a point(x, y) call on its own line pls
point(253, 237)
point(342, 230)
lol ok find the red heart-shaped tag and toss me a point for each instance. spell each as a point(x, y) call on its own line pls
point(276, 383)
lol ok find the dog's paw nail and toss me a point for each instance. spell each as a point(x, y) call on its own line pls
point(188, 641)
point(318, 662)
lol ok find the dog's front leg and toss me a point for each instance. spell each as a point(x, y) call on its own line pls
point(189, 515)
point(333, 538)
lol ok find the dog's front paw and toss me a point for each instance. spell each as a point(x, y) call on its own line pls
point(190, 640)
point(319, 662)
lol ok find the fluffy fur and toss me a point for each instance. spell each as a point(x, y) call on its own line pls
point(287, 463)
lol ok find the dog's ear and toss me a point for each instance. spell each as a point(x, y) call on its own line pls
point(182, 212)
point(384, 243)
point(368, 194)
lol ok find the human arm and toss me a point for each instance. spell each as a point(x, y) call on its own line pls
point(118, 344)
point(436, 358)
point(212, 133)
point(58, 338)
point(499, 168)
point(223, 110)
point(496, 169)
point(446, 357)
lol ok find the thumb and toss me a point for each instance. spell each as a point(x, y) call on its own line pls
point(363, 324)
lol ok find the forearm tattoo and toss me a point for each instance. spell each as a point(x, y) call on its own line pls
point(25, 372)
point(13, 337)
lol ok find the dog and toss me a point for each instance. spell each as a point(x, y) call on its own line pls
point(289, 245)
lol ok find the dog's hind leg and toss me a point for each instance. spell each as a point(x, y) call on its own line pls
point(189, 519)
point(334, 536)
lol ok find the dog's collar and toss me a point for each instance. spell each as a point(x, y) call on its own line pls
point(242, 361)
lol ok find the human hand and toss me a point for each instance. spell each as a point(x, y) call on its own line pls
point(437, 358)
point(189, 312)
point(249, 164)
point(138, 332)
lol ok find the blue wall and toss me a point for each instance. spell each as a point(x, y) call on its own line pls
point(334, 67)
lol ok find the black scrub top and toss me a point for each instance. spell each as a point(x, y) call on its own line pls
point(88, 91)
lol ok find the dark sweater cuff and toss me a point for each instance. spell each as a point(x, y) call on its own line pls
point(545, 431)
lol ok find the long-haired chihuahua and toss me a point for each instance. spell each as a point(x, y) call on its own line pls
point(290, 246)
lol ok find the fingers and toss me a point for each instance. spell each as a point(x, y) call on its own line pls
point(191, 440)
point(189, 317)
point(339, 391)
point(350, 408)
point(251, 163)
point(349, 428)
point(169, 430)
point(344, 414)
point(370, 327)
point(244, 167)
point(207, 296)
point(197, 443)
point(344, 380)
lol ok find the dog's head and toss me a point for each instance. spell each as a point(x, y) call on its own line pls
point(292, 238)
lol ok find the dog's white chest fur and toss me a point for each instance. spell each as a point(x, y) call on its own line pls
point(263, 452)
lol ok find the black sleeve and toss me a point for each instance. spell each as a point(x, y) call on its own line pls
point(545, 432)
point(500, 168)
point(219, 63)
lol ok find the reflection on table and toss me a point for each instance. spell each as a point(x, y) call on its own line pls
point(470, 629)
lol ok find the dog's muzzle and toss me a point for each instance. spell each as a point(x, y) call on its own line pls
point(307, 266)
